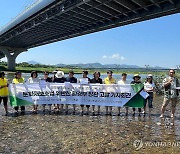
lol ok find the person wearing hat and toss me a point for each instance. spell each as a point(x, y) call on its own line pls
point(71, 79)
point(4, 91)
point(149, 88)
point(109, 80)
point(136, 80)
point(59, 78)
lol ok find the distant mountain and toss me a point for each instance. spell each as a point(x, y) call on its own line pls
point(98, 65)
point(33, 62)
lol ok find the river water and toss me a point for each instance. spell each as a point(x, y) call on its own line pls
point(61, 133)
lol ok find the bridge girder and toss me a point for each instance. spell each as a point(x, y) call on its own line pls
point(71, 18)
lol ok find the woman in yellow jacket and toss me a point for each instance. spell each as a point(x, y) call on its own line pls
point(18, 79)
point(4, 91)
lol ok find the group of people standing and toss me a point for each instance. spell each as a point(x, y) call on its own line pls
point(170, 85)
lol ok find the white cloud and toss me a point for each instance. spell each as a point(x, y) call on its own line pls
point(104, 57)
point(114, 56)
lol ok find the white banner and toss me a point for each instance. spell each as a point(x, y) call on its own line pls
point(67, 93)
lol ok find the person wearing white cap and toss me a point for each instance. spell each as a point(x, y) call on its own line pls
point(59, 78)
point(149, 88)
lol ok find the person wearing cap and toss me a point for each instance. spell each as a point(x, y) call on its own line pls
point(4, 91)
point(18, 79)
point(46, 78)
point(171, 94)
point(109, 80)
point(34, 79)
point(149, 88)
point(71, 79)
point(136, 80)
point(85, 75)
point(59, 78)
point(96, 80)
point(123, 81)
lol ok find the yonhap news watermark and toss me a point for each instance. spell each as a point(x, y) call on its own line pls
point(138, 144)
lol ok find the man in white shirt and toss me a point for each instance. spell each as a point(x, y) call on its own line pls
point(123, 81)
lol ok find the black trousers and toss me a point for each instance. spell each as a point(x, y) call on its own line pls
point(139, 109)
point(5, 100)
point(17, 108)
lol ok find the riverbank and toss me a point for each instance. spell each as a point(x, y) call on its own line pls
point(61, 133)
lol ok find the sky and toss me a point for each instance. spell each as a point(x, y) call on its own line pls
point(154, 42)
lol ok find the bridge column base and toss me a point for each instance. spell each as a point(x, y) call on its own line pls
point(11, 57)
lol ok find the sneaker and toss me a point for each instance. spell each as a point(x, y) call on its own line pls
point(161, 116)
point(172, 115)
point(143, 112)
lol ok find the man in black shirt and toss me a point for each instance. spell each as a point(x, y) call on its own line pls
point(71, 79)
point(95, 80)
point(85, 75)
point(47, 79)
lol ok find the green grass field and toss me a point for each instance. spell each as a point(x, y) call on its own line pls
point(79, 70)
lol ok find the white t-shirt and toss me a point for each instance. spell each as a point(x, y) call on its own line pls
point(121, 82)
point(149, 86)
point(33, 80)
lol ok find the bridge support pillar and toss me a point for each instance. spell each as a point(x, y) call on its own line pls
point(11, 57)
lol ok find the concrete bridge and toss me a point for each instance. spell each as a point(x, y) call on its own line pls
point(48, 21)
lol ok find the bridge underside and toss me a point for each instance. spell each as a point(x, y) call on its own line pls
point(70, 18)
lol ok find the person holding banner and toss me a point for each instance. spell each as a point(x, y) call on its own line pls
point(136, 80)
point(123, 81)
point(96, 80)
point(171, 93)
point(149, 88)
point(46, 79)
point(109, 80)
point(72, 79)
point(18, 79)
point(34, 79)
point(59, 78)
point(4, 91)
point(85, 76)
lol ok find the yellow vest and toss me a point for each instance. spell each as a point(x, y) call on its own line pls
point(107, 81)
point(15, 80)
point(4, 90)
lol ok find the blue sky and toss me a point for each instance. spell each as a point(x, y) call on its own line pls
point(155, 42)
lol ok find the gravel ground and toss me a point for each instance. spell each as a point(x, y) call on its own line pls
point(61, 133)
